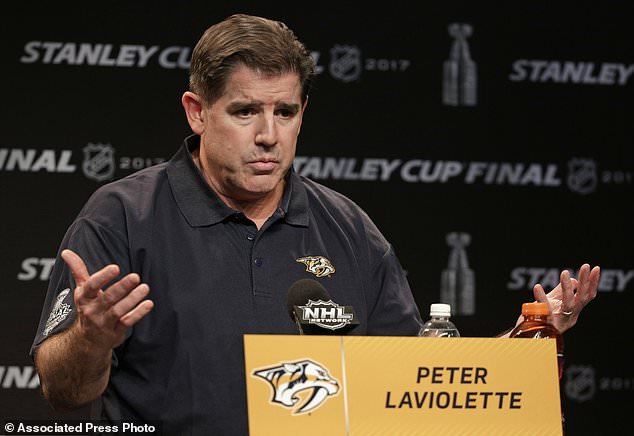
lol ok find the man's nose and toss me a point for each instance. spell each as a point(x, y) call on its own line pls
point(266, 134)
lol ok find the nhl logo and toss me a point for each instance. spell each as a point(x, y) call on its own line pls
point(98, 162)
point(580, 383)
point(582, 175)
point(326, 314)
point(345, 62)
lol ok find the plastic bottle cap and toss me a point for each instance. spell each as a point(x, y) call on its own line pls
point(440, 309)
point(535, 309)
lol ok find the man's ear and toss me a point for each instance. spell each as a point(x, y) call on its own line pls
point(192, 103)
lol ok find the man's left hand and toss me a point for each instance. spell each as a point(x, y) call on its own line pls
point(570, 296)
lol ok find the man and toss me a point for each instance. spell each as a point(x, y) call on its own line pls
point(218, 234)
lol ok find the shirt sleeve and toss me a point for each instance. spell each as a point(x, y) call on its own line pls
point(395, 312)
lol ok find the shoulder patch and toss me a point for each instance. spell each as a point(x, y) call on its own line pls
point(59, 312)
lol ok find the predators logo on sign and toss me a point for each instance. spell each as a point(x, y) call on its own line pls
point(289, 379)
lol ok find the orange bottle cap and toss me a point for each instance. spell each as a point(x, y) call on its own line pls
point(535, 309)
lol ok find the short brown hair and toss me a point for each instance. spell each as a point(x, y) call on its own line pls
point(264, 45)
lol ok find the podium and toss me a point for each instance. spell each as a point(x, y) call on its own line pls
point(363, 386)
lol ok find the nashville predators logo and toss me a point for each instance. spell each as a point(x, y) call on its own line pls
point(289, 379)
point(318, 265)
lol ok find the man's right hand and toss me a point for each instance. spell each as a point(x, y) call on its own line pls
point(74, 365)
point(104, 316)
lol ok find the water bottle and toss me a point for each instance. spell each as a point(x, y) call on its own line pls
point(439, 324)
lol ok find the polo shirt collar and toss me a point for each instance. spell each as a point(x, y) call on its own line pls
point(201, 206)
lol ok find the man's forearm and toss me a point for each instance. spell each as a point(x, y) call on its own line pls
point(505, 333)
point(72, 372)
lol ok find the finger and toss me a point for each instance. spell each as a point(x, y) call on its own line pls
point(568, 294)
point(584, 272)
point(76, 265)
point(133, 298)
point(551, 299)
point(121, 288)
point(540, 294)
point(589, 283)
point(91, 287)
point(595, 276)
point(132, 317)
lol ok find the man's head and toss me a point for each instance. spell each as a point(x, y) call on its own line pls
point(261, 44)
point(249, 85)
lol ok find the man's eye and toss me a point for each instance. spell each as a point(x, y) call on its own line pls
point(244, 112)
point(285, 113)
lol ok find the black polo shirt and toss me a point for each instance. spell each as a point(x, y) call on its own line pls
point(214, 277)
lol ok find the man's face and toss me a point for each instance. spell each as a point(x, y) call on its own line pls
point(249, 135)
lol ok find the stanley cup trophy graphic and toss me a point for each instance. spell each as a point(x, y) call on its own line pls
point(459, 71)
point(457, 283)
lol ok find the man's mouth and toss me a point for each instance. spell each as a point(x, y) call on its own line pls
point(263, 164)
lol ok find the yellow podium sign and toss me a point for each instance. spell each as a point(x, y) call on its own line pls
point(363, 386)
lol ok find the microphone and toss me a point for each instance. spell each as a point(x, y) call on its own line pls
point(313, 311)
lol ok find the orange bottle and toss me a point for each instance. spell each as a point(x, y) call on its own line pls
point(536, 325)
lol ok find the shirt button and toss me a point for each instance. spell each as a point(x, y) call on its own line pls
point(258, 261)
point(250, 236)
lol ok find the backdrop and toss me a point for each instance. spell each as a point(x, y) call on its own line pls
point(492, 146)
